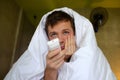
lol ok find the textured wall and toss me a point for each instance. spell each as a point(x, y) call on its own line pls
point(108, 37)
point(9, 17)
point(8, 22)
point(25, 34)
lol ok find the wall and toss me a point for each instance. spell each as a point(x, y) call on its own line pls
point(8, 21)
point(15, 34)
point(109, 40)
point(25, 34)
point(108, 37)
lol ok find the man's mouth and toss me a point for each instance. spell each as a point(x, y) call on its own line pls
point(62, 47)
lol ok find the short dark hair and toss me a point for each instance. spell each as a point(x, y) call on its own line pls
point(57, 16)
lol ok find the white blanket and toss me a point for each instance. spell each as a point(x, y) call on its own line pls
point(87, 63)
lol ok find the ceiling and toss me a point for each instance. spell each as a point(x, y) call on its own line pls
point(34, 9)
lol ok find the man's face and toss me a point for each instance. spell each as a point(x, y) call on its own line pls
point(61, 30)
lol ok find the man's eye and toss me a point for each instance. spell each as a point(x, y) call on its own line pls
point(53, 35)
point(66, 32)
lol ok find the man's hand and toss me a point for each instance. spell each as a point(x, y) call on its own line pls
point(70, 47)
point(53, 62)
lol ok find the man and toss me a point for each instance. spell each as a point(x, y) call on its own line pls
point(59, 25)
point(78, 59)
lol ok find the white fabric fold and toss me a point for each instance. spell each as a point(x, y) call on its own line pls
point(87, 63)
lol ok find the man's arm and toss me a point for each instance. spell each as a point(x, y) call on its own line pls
point(54, 60)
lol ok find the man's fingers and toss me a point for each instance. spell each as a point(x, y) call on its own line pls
point(57, 57)
point(53, 53)
point(56, 61)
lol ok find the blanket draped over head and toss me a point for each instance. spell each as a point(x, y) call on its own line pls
point(87, 63)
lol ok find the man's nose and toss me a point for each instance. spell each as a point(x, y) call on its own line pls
point(61, 38)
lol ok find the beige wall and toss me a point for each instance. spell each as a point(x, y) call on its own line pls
point(109, 40)
point(25, 34)
point(108, 37)
point(9, 23)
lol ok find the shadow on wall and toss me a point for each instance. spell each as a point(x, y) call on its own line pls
point(8, 20)
point(98, 17)
point(15, 32)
